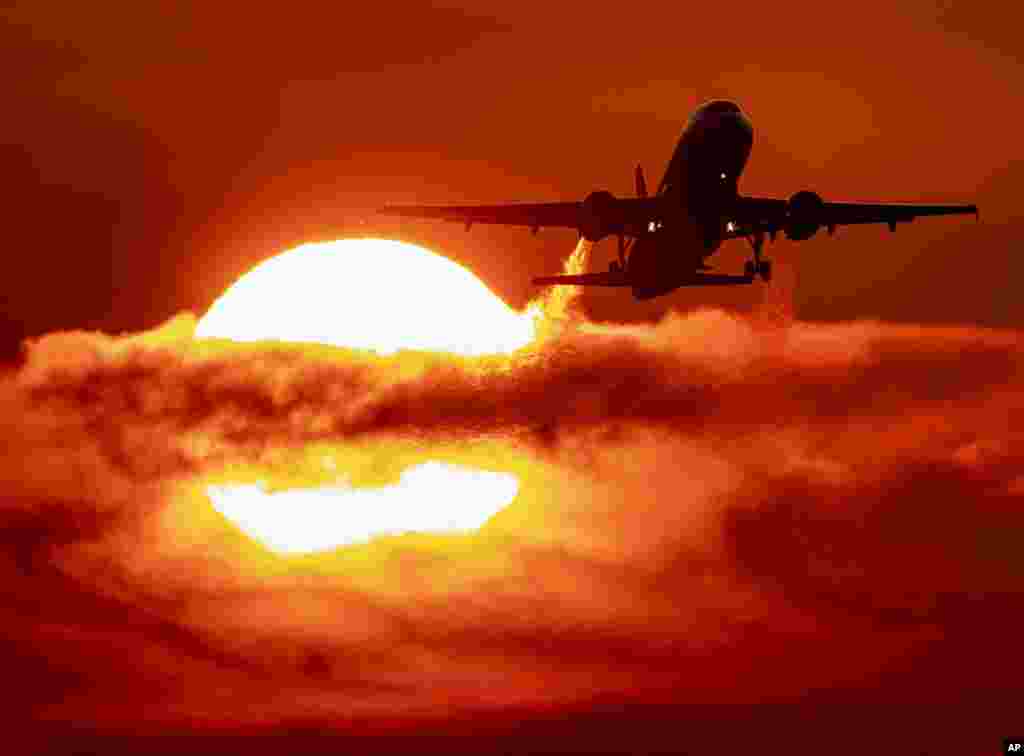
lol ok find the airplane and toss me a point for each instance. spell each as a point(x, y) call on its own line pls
point(696, 207)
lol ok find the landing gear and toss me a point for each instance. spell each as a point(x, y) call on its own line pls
point(620, 265)
point(761, 268)
point(757, 266)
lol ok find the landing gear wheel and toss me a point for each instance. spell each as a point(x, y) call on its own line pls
point(757, 266)
point(623, 249)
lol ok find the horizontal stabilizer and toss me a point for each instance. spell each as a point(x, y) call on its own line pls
point(715, 279)
point(585, 279)
point(623, 279)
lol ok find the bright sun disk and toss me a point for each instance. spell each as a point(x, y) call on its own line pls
point(383, 296)
point(367, 294)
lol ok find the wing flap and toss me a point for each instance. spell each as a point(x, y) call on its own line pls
point(629, 216)
point(770, 215)
point(535, 215)
point(845, 213)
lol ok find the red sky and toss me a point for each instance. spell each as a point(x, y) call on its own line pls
point(727, 528)
point(153, 156)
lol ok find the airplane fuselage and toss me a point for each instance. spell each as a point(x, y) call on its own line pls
point(697, 191)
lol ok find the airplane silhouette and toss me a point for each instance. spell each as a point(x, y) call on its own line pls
point(697, 206)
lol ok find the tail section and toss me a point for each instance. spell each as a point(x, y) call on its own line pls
point(641, 183)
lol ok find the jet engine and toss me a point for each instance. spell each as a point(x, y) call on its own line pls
point(804, 215)
point(599, 216)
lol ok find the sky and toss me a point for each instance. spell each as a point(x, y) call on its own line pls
point(769, 527)
point(151, 161)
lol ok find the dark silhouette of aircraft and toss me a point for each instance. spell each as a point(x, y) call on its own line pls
point(697, 206)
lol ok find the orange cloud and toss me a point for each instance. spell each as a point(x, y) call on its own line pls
point(713, 511)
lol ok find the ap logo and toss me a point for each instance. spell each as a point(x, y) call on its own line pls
point(1014, 745)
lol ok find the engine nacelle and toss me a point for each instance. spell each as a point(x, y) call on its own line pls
point(599, 217)
point(804, 215)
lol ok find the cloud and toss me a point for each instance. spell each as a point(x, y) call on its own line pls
point(714, 510)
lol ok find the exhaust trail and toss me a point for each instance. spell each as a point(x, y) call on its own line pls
point(561, 305)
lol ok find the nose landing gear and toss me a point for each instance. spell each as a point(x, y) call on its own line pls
point(620, 265)
point(762, 268)
point(757, 266)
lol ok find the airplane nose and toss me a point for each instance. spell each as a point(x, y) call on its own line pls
point(739, 125)
point(727, 126)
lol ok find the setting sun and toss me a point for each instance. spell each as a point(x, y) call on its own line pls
point(367, 294)
point(382, 296)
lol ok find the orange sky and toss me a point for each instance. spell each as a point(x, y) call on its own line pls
point(152, 159)
point(726, 527)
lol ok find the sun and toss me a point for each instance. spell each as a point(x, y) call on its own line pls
point(383, 296)
point(367, 294)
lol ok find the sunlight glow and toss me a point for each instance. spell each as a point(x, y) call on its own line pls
point(429, 497)
point(367, 294)
point(383, 296)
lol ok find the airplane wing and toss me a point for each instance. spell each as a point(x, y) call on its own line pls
point(771, 215)
point(628, 216)
point(534, 215)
